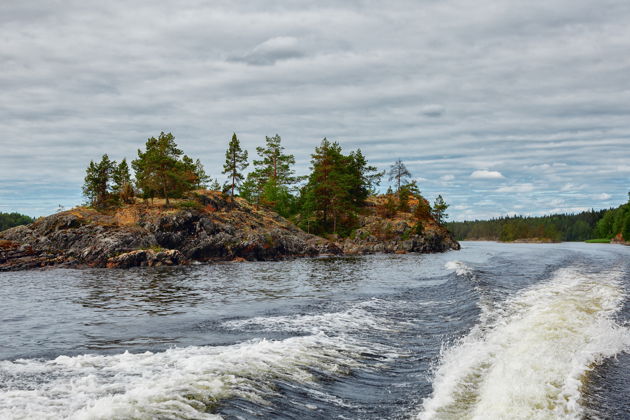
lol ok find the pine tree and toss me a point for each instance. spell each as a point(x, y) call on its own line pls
point(235, 162)
point(439, 209)
point(337, 188)
point(97, 181)
point(398, 172)
point(214, 185)
point(159, 170)
point(273, 173)
point(122, 181)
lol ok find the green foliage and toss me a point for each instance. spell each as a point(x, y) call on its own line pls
point(419, 228)
point(336, 190)
point(161, 171)
point(270, 182)
point(399, 173)
point(561, 227)
point(9, 220)
point(215, 185)
point(235, 162)
point(97, 187)
point(405, 192)
point(439, 210)
point(597, 241)
point(613, 222)
point(122, 184)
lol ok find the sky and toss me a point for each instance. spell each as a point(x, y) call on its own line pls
point(502, 107)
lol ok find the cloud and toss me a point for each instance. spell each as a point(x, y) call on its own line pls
point(271, 51)
point(602, 196)
point(433, 110)
point(398, 81)
point(519, 188)
point(447, 177)
point(571, 187)
point(485, 174)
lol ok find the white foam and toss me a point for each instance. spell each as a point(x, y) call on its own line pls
point(533, 358)
point(177, 383)
point(354, 319)
point(460, 268)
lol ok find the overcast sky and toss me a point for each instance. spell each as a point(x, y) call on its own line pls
point(501, 106)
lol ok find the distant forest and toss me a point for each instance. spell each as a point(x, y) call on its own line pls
point(9, 220)
point(592, 224)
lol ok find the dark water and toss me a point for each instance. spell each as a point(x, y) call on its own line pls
point(491, 331)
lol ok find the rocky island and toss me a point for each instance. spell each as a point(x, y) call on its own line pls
point(207, 226)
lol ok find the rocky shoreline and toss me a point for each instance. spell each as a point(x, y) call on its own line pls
point(209, 227)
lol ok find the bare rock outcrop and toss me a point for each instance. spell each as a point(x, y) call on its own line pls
point(205, 227)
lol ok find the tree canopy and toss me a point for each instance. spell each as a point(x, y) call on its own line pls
point(162, 169)
point(235, 163)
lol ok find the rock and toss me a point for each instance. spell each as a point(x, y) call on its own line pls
point(213, 228)
point(146, 257)
point(223, 229)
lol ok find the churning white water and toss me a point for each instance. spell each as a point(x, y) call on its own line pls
point(177, 383)
point(530, 361)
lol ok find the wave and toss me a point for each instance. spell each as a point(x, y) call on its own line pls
point(357, 318)
point(460, 268)
point(531, 356)
point(177, 383)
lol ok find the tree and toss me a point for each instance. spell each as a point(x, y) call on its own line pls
point(202, 177)
point(405, 192)
point(235, 162)
point(275, 167)
point(439, 210)
point(398, 172)
point(97, 181)
point(122, 186)
point(337, 188)
point(422, 210)
point(9, 220)
point(215, 185)
point(363, 179)
point(160, 171)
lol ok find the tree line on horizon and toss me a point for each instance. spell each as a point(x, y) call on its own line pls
point(583, 226)
point(328, 200)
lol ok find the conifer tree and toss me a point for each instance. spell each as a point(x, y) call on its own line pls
point(215, 185)
point(121, 178)
point(97, 181)
point(235, 162)
point(398, 172)
point(159, 170)
point(337, 188)
point(439, 209)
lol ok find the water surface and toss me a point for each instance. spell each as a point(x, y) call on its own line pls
point(491, 331)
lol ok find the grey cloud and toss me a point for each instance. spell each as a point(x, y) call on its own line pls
point(271, 51)
point(536, 91)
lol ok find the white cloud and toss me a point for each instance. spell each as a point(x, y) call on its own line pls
point(485, 174)
point(447, 177)
point(519, 188)
point(571, 187)
point(602, 196)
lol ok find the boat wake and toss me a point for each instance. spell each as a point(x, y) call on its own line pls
point(190, 382)
point(530, 358)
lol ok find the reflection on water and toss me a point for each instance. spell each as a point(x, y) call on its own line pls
point(155, 291)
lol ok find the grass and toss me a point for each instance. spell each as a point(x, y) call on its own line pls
point(597, 241)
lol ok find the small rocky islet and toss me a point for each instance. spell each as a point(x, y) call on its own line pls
point(207, 226)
